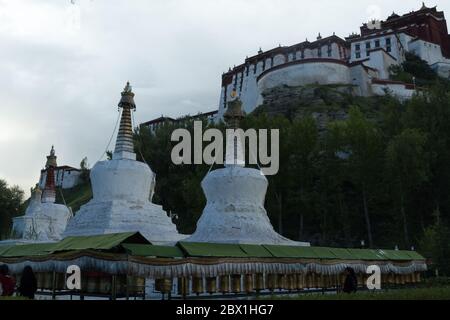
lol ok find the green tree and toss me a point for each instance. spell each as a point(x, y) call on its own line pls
point(407, 168)
point(11, 200)
point(435, 245)
point(364, 148)
point(84, 167)
point(303, 141)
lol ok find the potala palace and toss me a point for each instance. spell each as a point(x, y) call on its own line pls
point(361, 61)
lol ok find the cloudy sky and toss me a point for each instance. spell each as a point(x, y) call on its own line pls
point(63, 63)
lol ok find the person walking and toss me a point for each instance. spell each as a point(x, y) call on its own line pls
point(7, 282)
point(350, 282)
point(28, 283)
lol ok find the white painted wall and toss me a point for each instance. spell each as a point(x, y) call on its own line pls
point(381, 61)
point(306, 73)
point(64, 178)
point(427, 51)
point(398, 90)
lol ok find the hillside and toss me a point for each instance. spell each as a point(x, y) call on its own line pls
point(75, 197)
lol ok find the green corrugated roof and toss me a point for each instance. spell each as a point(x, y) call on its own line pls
point(280, 251)
point(366, 254)
point(4, 249)
point(197, 249)
point(415, 255)
point(324, 253)
point(22, 250)
point(256, 251)
point(342, 253)
point(149, 250)
point(401, 255)
point(99, 242)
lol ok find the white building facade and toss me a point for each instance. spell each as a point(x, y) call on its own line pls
point(361, 61)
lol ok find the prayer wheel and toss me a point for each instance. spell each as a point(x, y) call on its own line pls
point(383, 278)
point(272, 281)
point(60, 281)
point(48, 280)
point(211, 285)
point(259, 282)
point(341, 278)
point(360, 279)
point(92, 284)
point(224, 284)
point(135, 285)
point(284, 282)
point(417, 277)
point(321, 281)
point(182, 286)
point(300, 281)
point(308, 280)
point(40, 280)
point(236, 283)
point(315, 280)
point(248, 283)
point(163, 285)
point(197, 285)
point(121, 284)
point(105, 284)
point(391, 277)
point(292, 278)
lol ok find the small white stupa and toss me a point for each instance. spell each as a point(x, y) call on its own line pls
point(44, 220)
point(234, 211)
point(122, 189)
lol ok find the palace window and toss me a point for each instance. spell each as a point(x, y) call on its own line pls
point(388, 44)
point(319, 52)
point(357, 47)
point(329, 50)
point(303, 54)
point(358, 55)
point(377, 43)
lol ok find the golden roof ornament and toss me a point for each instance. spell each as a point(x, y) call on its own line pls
point(127, 100)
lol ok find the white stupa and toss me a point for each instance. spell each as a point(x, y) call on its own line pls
point(234, 211)
point(44, 220)
point(122, 189)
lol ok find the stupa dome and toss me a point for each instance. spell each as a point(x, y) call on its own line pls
point(44, 220)
point(234, 212)
point(122, 188)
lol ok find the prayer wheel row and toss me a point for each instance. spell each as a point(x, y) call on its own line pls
point(250, 283)
point(96, 283)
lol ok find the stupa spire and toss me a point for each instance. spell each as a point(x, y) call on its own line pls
point(124, 144)
point(234, 114)
point(49, 193)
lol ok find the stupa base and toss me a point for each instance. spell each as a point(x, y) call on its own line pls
point(117, 216)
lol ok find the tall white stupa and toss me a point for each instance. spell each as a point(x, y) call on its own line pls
point(122, 188)
point(234, 211)
point(44, 220)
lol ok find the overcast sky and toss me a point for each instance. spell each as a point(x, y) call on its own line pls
point(64, 63)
